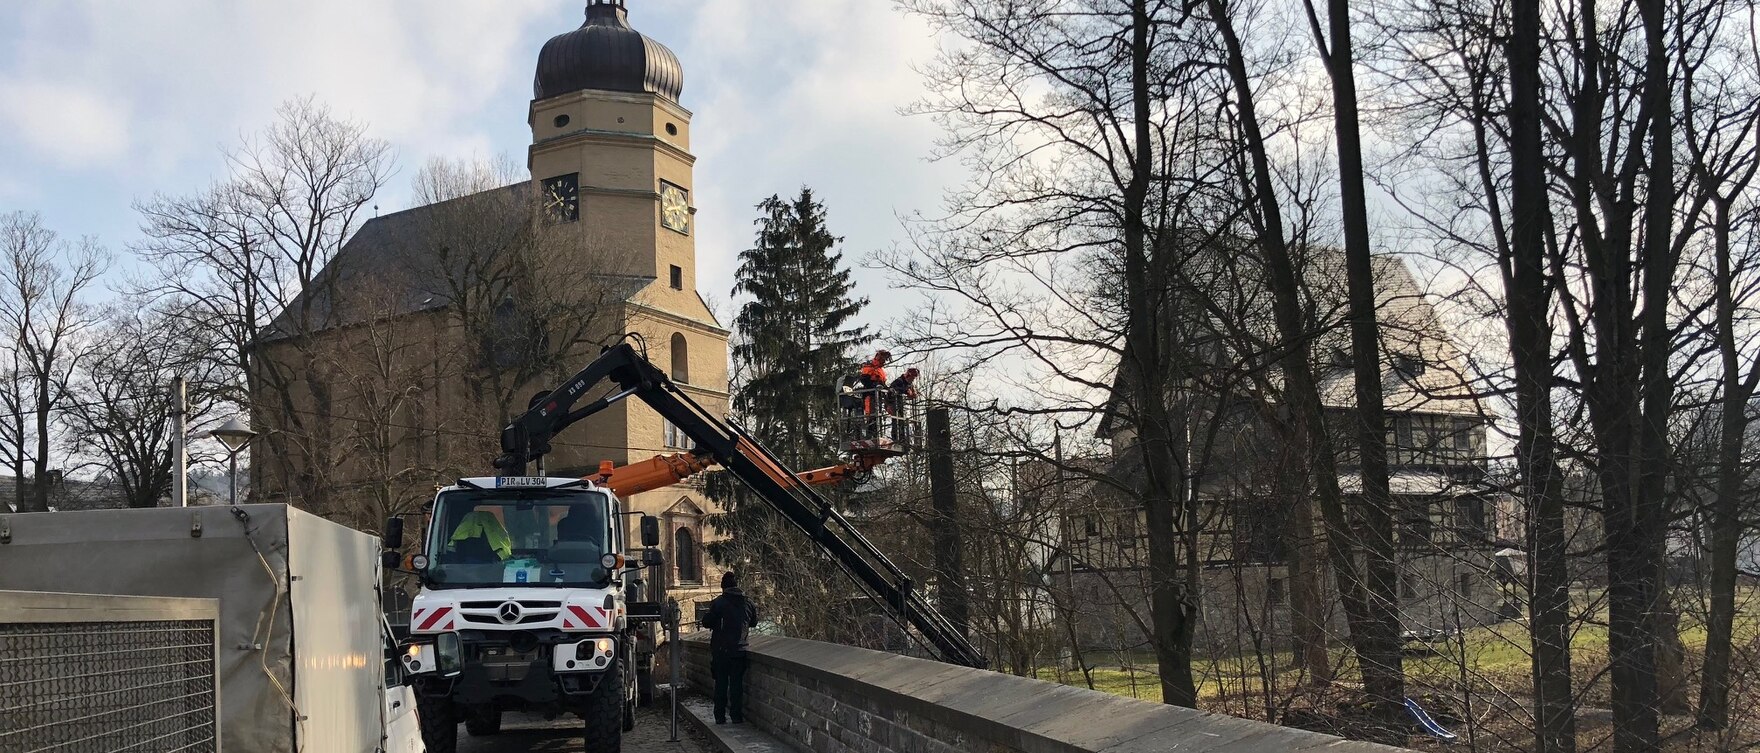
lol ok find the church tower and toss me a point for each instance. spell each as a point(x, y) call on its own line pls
point(611, 155)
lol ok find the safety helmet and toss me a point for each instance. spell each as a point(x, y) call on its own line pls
point(912, 372)
point(882, 353)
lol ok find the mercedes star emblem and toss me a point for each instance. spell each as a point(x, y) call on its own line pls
point(509, 612)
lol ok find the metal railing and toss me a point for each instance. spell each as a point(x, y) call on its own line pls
point(878, 418)
point(107, 673)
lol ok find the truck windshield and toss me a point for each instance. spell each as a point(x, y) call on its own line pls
point(502, 537)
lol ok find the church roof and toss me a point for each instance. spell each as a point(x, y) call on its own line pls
point(389, 267)
point(606, 54)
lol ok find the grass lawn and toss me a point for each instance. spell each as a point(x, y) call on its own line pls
point(1490, 660)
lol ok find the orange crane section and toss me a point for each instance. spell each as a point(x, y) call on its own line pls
point(662, 471)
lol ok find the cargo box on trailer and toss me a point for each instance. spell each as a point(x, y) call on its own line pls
point(301, 646)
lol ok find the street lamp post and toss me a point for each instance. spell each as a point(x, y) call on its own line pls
point(234, 436)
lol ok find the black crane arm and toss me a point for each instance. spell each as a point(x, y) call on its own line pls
point(527, 439)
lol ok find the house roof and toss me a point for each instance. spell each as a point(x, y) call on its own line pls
point(1423, 370)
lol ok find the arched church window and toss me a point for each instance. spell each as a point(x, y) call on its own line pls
point(680, 359)
point(685, 554)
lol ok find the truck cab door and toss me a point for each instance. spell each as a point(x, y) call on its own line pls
point(403, 729)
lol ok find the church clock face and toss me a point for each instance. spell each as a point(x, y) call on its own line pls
point(562, 197)
point(675, 210)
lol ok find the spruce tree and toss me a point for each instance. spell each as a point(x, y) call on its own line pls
point(795, 333)
point(794, 338)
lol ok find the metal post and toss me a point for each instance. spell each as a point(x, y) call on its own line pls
point(232, 478)
point(179, 446)
point(677, 658)
point(950, 578)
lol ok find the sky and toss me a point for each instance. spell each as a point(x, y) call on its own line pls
point(103, 103)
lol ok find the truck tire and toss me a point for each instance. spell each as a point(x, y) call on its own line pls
point(645, 684)
point(439, 720)
point(482, 722)
point(602, 713)
point(631, 696)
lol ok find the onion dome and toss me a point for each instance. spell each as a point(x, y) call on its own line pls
point(606, 54)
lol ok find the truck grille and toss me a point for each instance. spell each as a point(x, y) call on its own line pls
point(523, 603)
point(531, 611)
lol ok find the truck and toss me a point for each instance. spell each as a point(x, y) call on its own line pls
point(529, 599)
point(525, 605)
point(304, 657)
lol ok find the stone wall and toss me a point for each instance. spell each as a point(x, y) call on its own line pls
point(826, 698)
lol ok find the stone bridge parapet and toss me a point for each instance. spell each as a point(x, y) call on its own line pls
point(827, 698)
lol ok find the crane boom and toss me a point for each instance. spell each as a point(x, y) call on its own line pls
point(661, 471)
point(527, 439)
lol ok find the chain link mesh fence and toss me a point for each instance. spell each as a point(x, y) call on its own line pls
point(146, 687)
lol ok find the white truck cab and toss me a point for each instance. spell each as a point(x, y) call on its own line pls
point(523, 607)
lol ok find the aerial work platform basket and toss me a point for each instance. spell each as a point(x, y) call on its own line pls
point(877, 423)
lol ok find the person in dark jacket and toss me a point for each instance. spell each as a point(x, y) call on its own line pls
point(730, 618)
point(902, 391)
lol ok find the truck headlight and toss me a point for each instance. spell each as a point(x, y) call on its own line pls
point(590, 655)
point(419, 658)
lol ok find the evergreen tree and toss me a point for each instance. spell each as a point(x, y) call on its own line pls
point(795, 338)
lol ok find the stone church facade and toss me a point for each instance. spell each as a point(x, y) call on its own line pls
point(611, 180)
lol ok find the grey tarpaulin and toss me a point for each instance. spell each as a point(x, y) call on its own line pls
point(306, 593)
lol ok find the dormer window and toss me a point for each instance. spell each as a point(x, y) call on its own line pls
point(1409, 367)
point(1338, 358)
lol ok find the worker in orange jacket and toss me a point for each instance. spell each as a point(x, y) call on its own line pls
point(874, 378)
point(873, 381)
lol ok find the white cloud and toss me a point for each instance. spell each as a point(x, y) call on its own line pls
point(808, 92)
point(68, 124)
point(786, 93)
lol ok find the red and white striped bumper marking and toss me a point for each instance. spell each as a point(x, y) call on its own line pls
point(585, 618)
point(433, 619)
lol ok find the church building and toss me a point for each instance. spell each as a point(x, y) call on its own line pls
point(610, 196)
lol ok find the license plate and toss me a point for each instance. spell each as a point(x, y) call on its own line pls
point(526, 482)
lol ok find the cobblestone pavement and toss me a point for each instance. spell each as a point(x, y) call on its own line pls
point(520, 733)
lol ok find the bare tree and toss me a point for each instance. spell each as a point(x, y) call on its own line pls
point(524, 291)
point(1300, 390)
point(1383, 675)
point(14, 433)
point(122, 413)
point(1721, 124)
point(1067, 252)
point(253, 248)
point(44, 283)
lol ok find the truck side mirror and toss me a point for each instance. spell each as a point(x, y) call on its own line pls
point(393, 533)
point(650, 531)
point(651, 557)
point(390, 559)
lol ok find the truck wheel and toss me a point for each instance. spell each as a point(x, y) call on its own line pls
point(482, 722)
point(602, 713)
point(439, 720)
point(630, 698)
point(645, 685)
